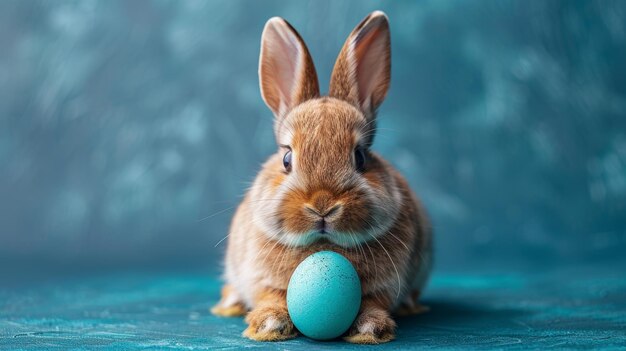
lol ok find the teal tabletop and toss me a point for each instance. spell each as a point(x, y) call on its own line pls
point(568, 307)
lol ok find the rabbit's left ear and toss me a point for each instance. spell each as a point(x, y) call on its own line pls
point(363, 69)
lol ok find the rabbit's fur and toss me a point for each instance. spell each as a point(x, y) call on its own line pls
point(328, 197)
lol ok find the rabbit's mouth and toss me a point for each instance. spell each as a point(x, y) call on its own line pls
point(305, 239)
point(315, 237)
point(323, 227)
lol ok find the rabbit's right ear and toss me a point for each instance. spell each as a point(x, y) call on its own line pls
point(286, 72)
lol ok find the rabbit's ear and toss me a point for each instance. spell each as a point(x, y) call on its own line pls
point(363, 69)
point(286, 72)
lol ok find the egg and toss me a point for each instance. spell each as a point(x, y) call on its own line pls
point(324, 295)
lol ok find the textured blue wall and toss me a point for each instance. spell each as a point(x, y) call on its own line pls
point(126, 127)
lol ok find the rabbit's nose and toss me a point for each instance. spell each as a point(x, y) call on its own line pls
point(323, 213)
point(323, 205)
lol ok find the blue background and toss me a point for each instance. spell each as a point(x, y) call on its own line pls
point(127, 127)
point(129, 130)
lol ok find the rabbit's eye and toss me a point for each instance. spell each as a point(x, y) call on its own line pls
point(287, 161)
point(359, 159)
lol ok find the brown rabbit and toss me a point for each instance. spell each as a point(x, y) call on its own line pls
point(324, 189)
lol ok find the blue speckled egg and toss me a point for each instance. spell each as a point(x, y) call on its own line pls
point(324, 295)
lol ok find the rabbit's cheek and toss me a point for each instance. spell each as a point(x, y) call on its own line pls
point(277, 181)
point(292, 214)
point(356, 215)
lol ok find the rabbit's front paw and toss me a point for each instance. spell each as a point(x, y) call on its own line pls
point(230, 304)
point(269, 323)
point(372, 326)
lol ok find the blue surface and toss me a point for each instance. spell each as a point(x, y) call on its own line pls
point(576, 307)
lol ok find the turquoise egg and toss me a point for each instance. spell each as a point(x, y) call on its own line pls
point(324, 295)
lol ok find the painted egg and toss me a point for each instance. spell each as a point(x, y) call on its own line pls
point(324, 295)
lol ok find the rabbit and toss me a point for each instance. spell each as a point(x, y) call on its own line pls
point(325, 189)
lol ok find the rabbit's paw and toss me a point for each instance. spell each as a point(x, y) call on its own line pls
point(269, 323)
point(230, 304)
point(372, 326)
